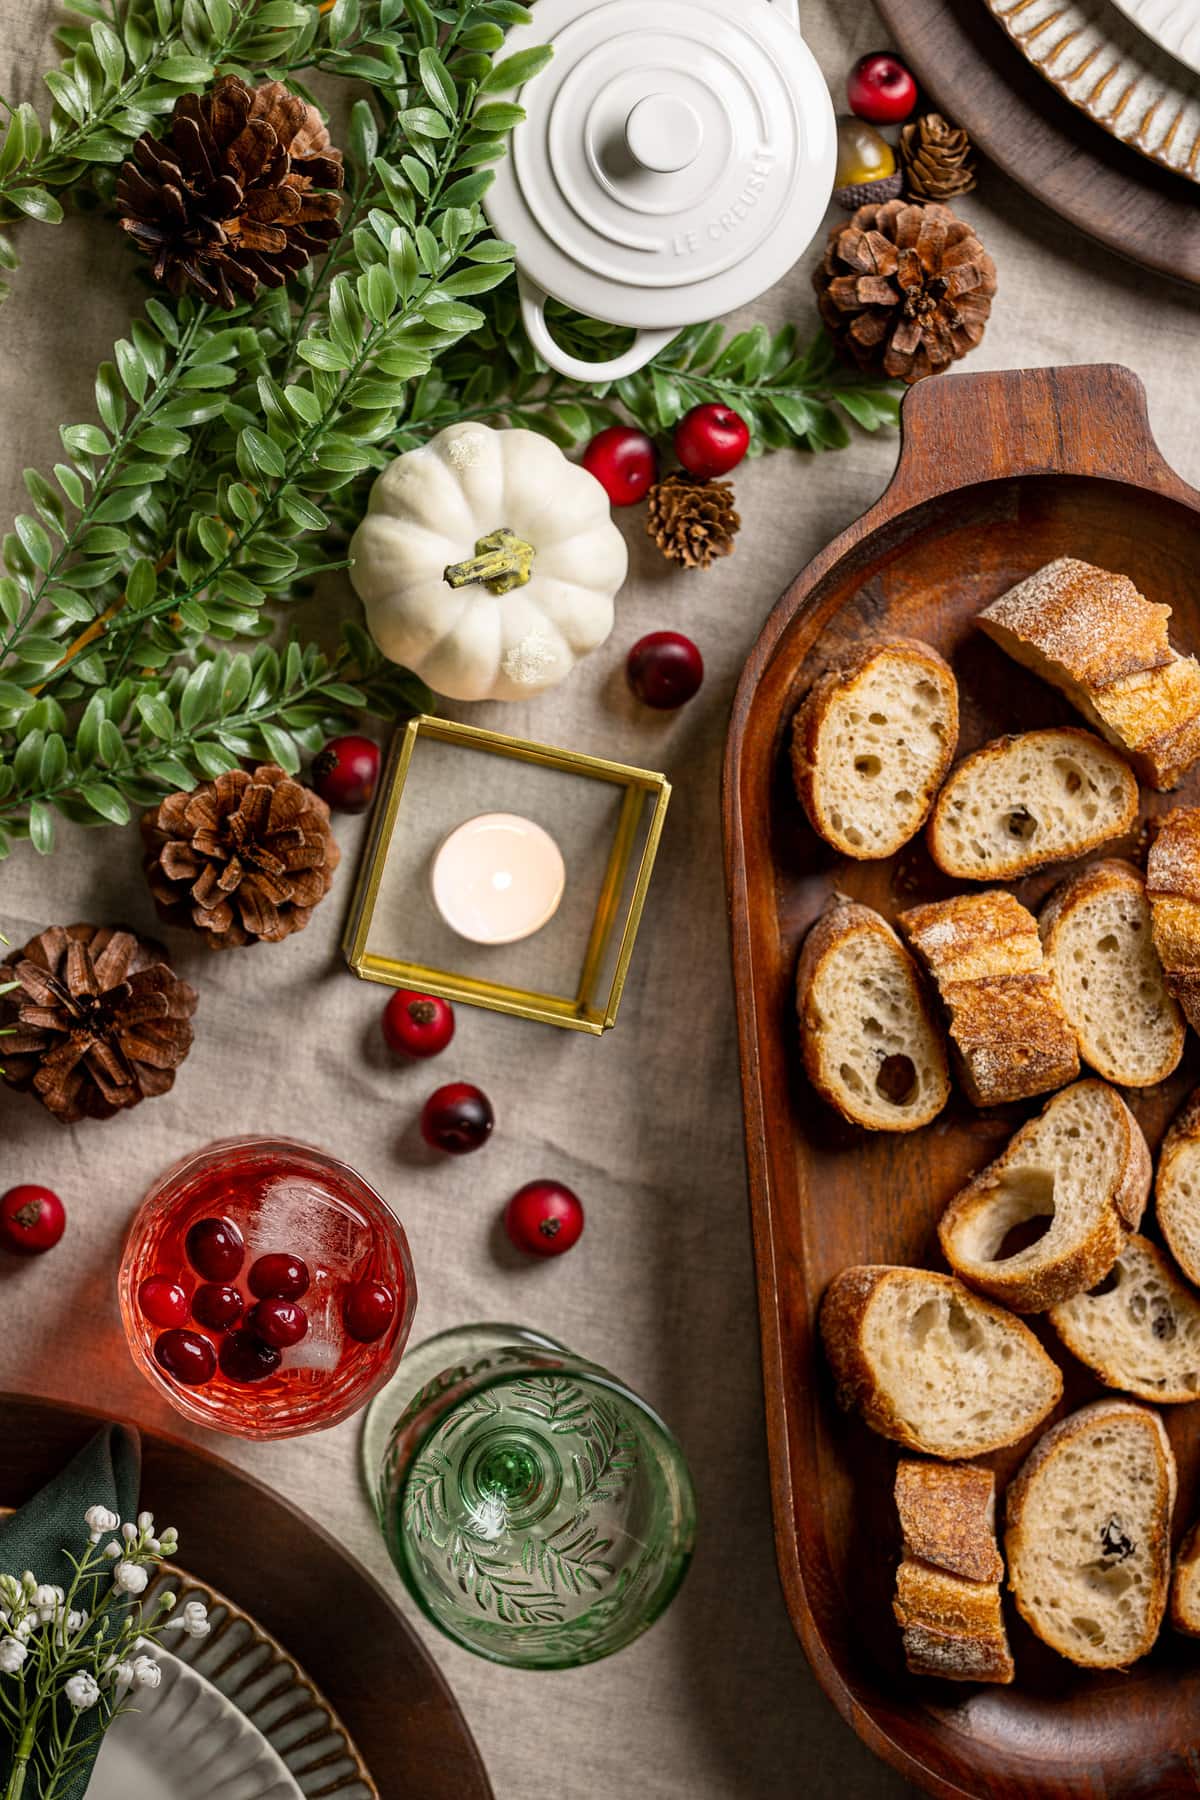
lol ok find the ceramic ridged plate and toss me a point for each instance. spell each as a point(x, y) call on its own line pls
point(1173, 24)
point(1107, 68)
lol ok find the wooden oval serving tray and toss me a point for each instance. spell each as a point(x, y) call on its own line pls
point(998, 474)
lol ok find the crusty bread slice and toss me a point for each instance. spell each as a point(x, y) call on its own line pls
point(953, 1629)
point(1139, 1330)
point(948, 1517)
point(1099, 641)
point(872, 1046)
point(930, 1364)
point(1173, 890)
point(1088, 1537)
point(1083, 1165)
point(1021, 802)
point(1097, 940)
point(1177, 1187)
point(872, 743)
point(1185, 1584)
point(1008, 1031)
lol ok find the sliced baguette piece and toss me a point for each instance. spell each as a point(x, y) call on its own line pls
point(871, 1041)
point(1092, 635)
point(1083, 1165)
point(1177, 1188)
point(1024, 801)
point(948, 1517)
point(952, 1629)
point(1088, 1537)
point(872, 743)
point(931, 1365)
point(1185, 1584)
point(1139, 1330)
point(1009, 1035)
point(1098, 942)
point(1173, 890)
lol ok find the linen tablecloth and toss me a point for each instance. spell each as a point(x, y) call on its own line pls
point(717, 1700)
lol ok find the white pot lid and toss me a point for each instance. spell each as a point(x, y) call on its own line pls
point(677, 156)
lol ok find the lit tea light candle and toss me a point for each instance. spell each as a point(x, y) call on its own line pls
point(498, 878)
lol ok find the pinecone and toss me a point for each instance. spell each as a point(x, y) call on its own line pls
point(692, 521)
point(244, 858)
point(101, 1021)
point(937, 159)
point(905, 289)
point(228, 199)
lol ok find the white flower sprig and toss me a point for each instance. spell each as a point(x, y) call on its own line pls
point(69, 1660)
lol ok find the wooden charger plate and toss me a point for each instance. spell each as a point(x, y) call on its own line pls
point(998, 474)
point(296, 1581)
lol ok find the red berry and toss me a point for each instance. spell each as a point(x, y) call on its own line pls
point(278, 1322)
point(345, 773)
point(32, 1219)
point(457, 1118)
point(163, 1301)
point(544, 1218)
point(245, 1358)
point(216, 1305)
point(417, 1024)
point(710, 440)
point(624, 462)
point(368, 1308)
point(215, 1249)
point(881, 89)
point(278, 1276)
point(665, 669)
point(187, 1356)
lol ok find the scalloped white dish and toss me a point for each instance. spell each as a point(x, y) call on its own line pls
point(1174, 26)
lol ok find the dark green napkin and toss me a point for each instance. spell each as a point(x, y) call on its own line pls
point(106, 1472)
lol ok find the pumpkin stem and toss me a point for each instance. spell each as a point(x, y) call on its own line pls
point(502, 561)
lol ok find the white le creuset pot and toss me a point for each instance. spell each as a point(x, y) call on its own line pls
point(676, 159)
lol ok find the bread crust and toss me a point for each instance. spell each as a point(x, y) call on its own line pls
point(948, 1517)
point(841, 920)
point(1185, 1584)
point(1057, 740)
point(1035, 1288)
point(1169, 1201)
point(1017, 1500)
point(1173, 890)
point(836, 684)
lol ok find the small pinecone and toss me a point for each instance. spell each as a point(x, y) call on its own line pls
point(692, 521)
point(244, 858)
point(101, 1021)
point(228, 198)
point(905, 289)
point(937, 159)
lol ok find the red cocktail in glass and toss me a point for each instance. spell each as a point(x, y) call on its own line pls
point(266, 1288)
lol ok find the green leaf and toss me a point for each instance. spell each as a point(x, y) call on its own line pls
point(436, 81)
point(377, 293)
point(141, 584)
point(85, 440)
point(263, 452)
point(41, 827)
point(53, 765)
point(514, 71)
point(70, 484)
point(111, 745)
point(34, 541)
point(157, 714)
point(281, 746)
point(106, 801)
point(36, 203)
point(103, 540)
point(188, 71)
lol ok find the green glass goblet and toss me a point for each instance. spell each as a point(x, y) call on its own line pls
point(539, 1512)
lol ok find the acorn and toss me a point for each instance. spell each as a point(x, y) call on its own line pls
point(866, 166)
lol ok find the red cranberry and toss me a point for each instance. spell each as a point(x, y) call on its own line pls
point(187, 1356)
point(163, 1301)
point(278, 1276)
point(32, 1219)
point(417, 1024)
point(278, 1322)
point(624, 462)
point(215, 1249)
point(544, 1218)
point(345, 773)
point(216, 1305)
point(710, 440)
point(881, 89)
point(665, 669)
point(368, 1308)
point(457, 1118)
point(246, 1358)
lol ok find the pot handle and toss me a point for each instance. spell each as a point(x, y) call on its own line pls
point(533, 316)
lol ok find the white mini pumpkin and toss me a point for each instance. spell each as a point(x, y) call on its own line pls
point(487, 563)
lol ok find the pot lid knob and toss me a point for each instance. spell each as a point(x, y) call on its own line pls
point(663, 132)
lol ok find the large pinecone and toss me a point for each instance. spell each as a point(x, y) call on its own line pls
point(692, 521)
point(905, 290)
point(100, 1021)
point(229, 198)
point(244, 858)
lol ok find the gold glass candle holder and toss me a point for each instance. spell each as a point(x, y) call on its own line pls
point(606, 816)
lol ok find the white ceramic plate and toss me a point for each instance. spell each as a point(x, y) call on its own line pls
point(186, 1741)
point(1173, 24)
